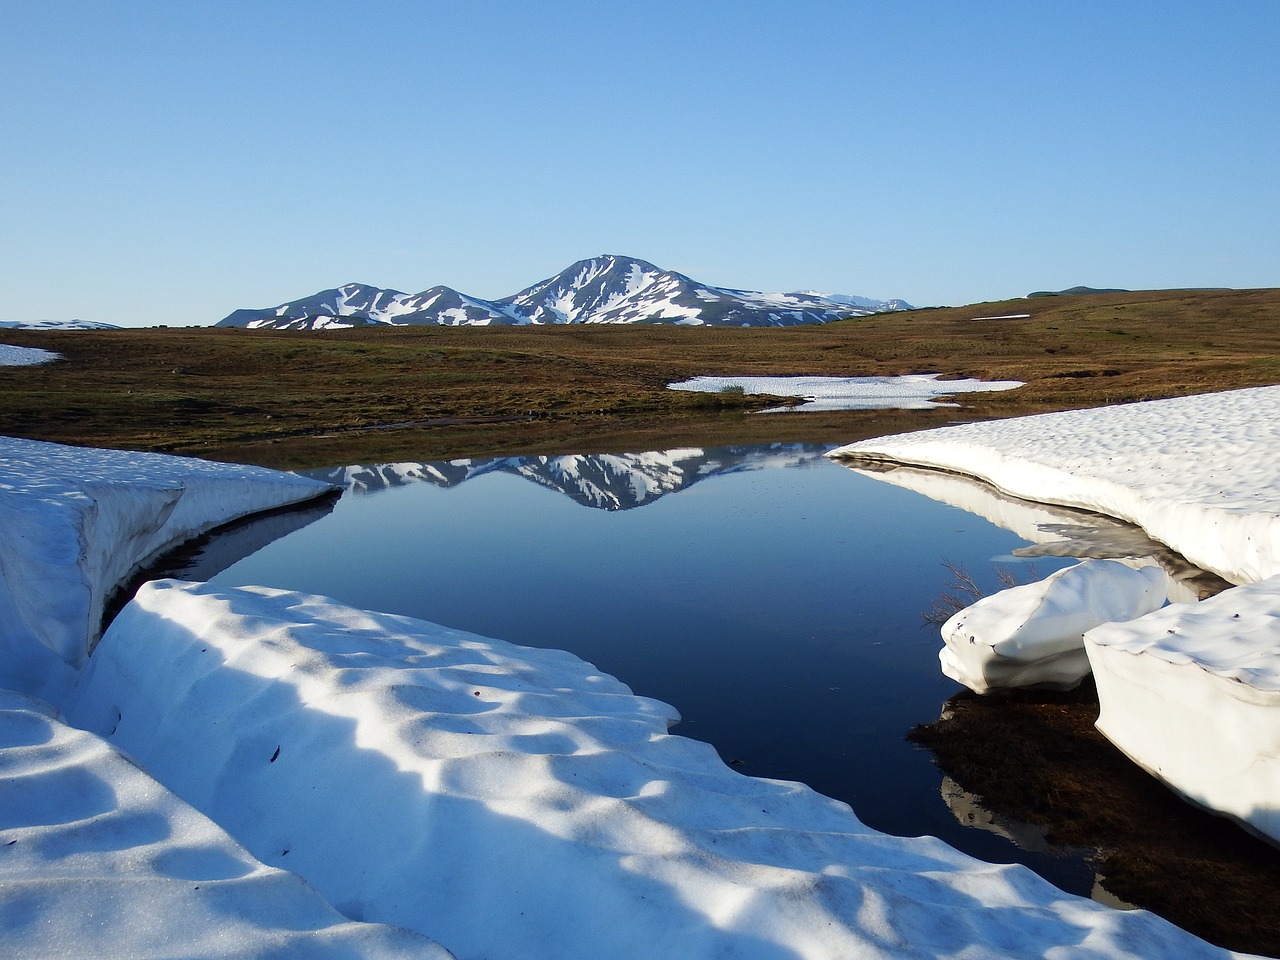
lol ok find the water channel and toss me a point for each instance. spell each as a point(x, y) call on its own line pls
point(774, 597)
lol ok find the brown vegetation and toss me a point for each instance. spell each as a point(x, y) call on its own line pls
point(289, 398)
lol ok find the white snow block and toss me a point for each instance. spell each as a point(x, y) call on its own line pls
point(1033, 635)
point(511, 802)
point(99, 860)
point(1196, 473)
point(75, 523)
point(1192, 694)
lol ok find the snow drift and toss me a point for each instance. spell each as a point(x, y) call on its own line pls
point(513, 802)
point(1192, 694)
point(98, 859)
point(1197, 473)
point(78, 522)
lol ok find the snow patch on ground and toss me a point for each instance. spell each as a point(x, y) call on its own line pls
point(11, 356)
point(78, 522)
point(1197, 473)
point(512, 802)
point(914, 392)
point(98, 859)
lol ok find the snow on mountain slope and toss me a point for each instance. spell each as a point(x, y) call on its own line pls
point(604, 289)
point(448, 307)
point(878, 306)
point(357, 304)
point(56, 325)
point(614, 289)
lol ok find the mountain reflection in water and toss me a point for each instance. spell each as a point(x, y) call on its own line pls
point(607, 481)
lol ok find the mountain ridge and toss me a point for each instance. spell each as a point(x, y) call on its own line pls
point(605, 289)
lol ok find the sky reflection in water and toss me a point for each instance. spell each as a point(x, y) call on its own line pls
point(779, 610)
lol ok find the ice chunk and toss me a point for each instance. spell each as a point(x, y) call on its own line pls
point(1033, 634)
point(511, 802)
point(98, 860)
point(1192, 694)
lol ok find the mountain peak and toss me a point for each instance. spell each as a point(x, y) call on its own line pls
point(609, 288)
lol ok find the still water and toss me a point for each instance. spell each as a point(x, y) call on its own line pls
point(773, 597)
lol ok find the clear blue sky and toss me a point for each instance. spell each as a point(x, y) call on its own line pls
point(168, 162)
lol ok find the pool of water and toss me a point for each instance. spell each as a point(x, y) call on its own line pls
point(773, 597)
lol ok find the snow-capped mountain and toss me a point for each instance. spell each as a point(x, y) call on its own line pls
point(618, 481)
point(605, 289)
point(355, 303)
point(56, 325)
point(876, 306)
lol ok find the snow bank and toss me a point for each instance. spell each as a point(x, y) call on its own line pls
point(77, 522)
point(1033, 634)
point(513, 803)
point(97, 859)
point(1189, 692)
point(1197, 473)
point(1192, 693)
point(915, 392)
point(11, 356)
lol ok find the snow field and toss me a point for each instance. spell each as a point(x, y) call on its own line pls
point(513, 802)
point(98, 859)
point(1197, 473)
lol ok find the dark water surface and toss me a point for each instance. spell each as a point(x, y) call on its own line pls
point(773, 597)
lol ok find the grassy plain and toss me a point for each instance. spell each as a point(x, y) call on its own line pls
point(312, 398)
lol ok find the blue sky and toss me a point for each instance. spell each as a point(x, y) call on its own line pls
point(168, 162)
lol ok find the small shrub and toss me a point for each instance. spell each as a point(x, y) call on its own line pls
point(962, 591)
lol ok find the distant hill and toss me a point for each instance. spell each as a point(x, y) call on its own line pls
point(1075, 291)
point(605, 289)
point(56, 325)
